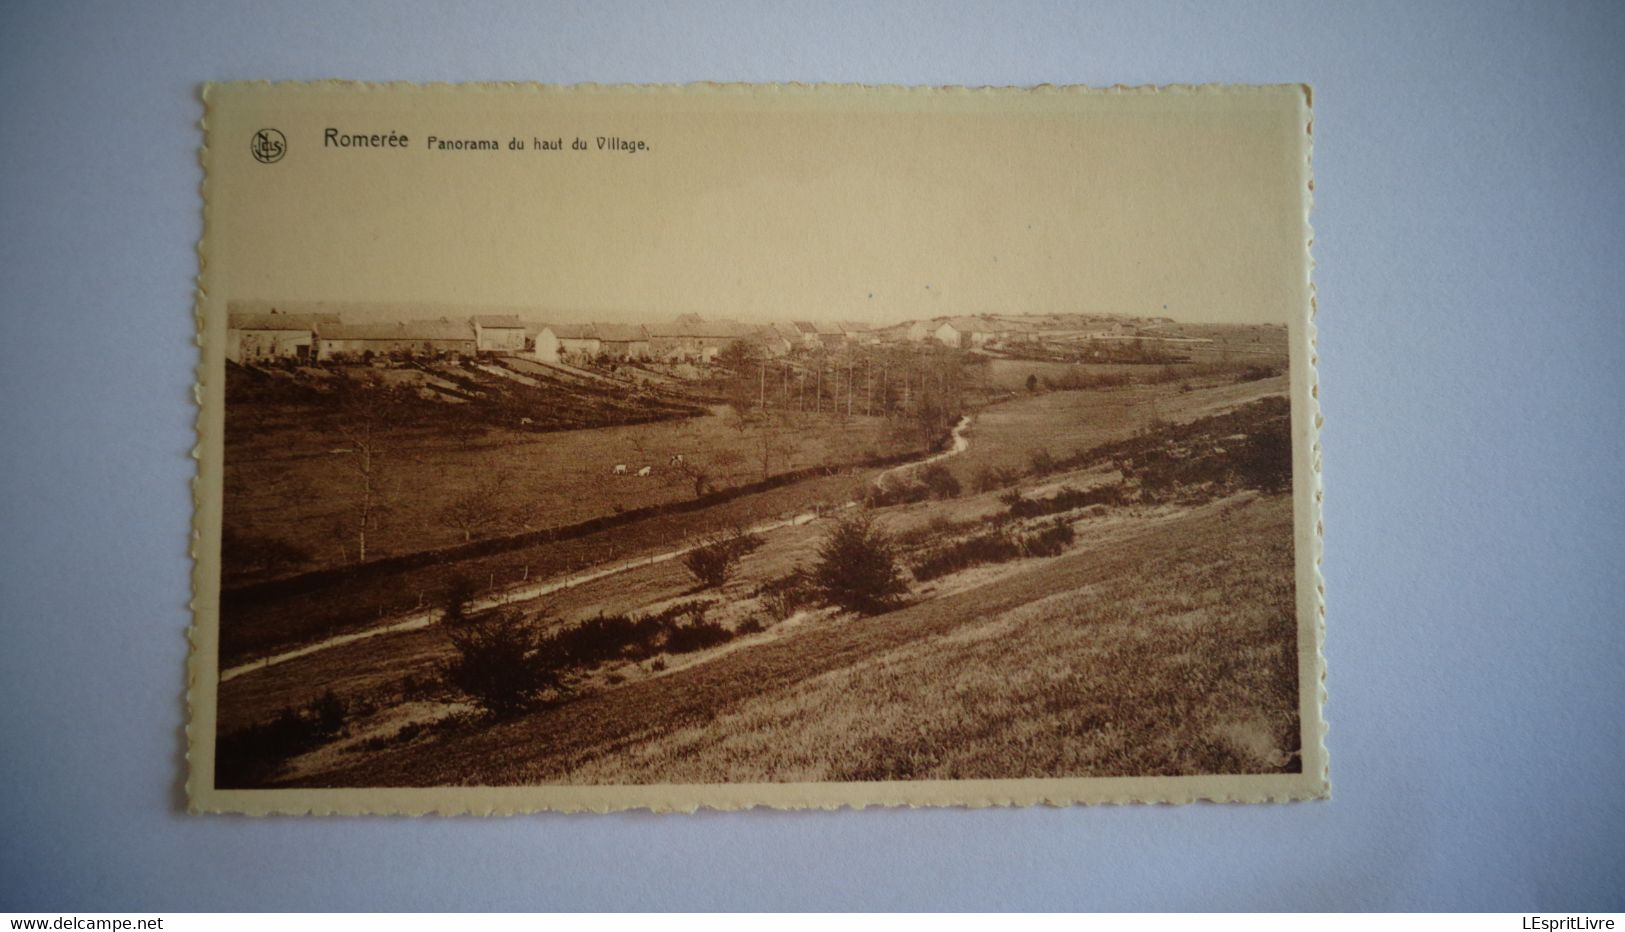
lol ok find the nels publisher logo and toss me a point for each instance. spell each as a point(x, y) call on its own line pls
point(269, 146)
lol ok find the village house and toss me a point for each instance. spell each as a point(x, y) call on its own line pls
point(1108, 330)
point(259, 336)
point(542, 343)
point(578, 342)
point(967, 332)
point(778, 338)
point(498, 333)
point(858, 333)
point(912, 331)
point(808, 333)
point(428, 338)
point(829, 335)
point(622, 341)
point(790, 333)
point(690, 338)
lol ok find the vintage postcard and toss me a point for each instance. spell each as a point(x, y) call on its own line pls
point(722, 446)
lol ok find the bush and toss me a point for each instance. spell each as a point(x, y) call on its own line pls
point(989, 478)
point(1042, 462)
point(996, 546)
point(459, 593)
point(1050, 541)
point(606, 637)
point(1264, 460)
point(787, 594)
point(937, 529)
point(502, 665)
point(940, 481)
point(1066, 499)
point(679, 628)
point(696, 635)
point(251, 755)
point(857, 568)
point(714, 561)
point(897, 492)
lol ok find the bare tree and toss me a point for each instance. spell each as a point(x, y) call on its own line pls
point(690, 471)
point(725, 461)
point(366, 413)
point(772, 444)
point(475, 509)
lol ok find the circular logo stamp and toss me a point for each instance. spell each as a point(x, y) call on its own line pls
point(269, 146)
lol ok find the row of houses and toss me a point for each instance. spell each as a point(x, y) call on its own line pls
point(258, 336)
point(261, 335)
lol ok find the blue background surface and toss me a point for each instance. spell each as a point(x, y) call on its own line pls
point(1468, 216)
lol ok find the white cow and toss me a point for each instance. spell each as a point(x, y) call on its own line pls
point(676, 459)
point(619, 470)
point(646, 471)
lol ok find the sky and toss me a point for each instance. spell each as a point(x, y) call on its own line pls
point(793, 204)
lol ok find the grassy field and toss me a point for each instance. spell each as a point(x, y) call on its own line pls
point(1010, 375)
point(291, 481)
point(1171, 653)
point(269, 625)
point(1006, 434)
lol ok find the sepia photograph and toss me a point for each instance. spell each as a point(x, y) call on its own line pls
point(598, 448)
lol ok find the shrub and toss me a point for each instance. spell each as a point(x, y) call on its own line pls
point(897, 492)
point(605, 637)
point(937, 529)
point(1264, 460)
point(940, 481)
point(714, 561)
point(459, 593)
point(502, 665)
point(994, 546)
point(1050, 541)
point(1066, 499)
point(1042, 462)
point(989, 478)
point(857, 568)
point(250, 755)
point(696, 635)
point(786, 594)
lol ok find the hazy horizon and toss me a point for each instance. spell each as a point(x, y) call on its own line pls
point(386, 312)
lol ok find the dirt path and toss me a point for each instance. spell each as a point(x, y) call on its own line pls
point(524, 593)
point(960, 444)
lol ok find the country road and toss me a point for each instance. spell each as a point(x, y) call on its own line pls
point(524, 593)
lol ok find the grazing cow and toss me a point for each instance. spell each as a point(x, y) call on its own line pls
point(525, 422)
point(646, 471)
point(676, 459)
point(619, 470)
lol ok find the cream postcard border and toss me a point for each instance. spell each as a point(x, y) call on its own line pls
point(203, 669)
